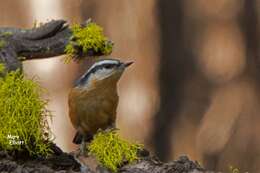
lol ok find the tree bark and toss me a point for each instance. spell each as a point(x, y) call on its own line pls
point(61, 162)
point(45, 41)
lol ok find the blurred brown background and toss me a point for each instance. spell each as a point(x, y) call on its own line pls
point(194, 87)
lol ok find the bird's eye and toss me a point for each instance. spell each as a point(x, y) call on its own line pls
point(107, 66)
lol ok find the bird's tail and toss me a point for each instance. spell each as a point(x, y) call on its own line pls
point(79, 137)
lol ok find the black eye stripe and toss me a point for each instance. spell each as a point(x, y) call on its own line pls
point(85, 77)
point(107, 66)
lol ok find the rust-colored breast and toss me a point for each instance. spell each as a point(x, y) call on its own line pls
point(93, 110)
point(72, 101)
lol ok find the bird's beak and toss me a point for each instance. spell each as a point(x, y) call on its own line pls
point(128, 64)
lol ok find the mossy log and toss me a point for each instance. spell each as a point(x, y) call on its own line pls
point(61, 162)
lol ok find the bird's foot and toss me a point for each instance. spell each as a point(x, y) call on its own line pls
point(84, 149)
point(110, 128)
point(83, 167)
point(101, 169)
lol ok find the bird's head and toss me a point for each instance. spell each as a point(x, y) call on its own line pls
point(105, 70)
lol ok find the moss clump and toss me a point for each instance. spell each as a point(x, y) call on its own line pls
point(88, 38)
point(233, 169)
point(2, 44)
point(7, 34)
point(112, 151)
point(23, 116)
point(2, 68)
point(37, 24)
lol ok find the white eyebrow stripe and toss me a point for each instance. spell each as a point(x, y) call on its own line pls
point(107, 61)
point(102, 62)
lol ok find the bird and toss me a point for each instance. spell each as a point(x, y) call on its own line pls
point(93, 100)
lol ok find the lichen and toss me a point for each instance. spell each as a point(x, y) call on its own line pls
point(88, 38)
point(233, 169)
point(2, 44)
point(23, 115)
point(112, 151)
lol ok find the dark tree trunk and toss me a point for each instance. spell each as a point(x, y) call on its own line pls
point(175, 67)
point(250, 26)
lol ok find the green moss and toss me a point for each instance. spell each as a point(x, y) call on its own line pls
point(90, 37)
point(70, 51)
point(233, 169)
point(2, 44)
point(112, 151)
point(23, 116)
point(7, 34)
point(2, 68)
point(37, 24)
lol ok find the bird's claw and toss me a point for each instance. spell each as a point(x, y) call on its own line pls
point(110, 128)
point(83, 167)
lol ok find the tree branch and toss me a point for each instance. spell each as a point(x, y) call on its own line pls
point(45, 41)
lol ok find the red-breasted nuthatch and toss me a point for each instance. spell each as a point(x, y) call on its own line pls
point(93, 101)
